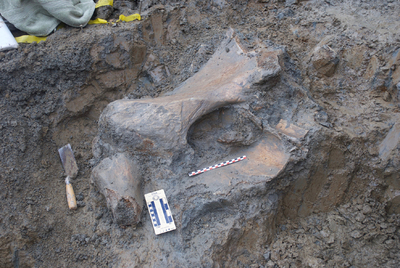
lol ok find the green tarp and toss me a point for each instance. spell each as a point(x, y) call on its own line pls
point(41, 17)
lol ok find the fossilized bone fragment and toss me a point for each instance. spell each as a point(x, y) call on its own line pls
point(160, 125)
point(119, 180)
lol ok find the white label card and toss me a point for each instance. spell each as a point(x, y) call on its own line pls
point(159, 211)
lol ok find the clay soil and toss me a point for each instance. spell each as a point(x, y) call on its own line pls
point(343, 213)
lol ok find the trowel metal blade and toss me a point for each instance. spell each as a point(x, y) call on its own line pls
point(68, 161)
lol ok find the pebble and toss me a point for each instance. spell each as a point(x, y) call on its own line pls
point(360, 217)
point(290, 2)
point(324, 234)
point(384, 225)
point(391, 230)
point(270, 264)
point(390, 243)
point(366, 209)
point(267, 255)
point(355, 234)
point(331, 239)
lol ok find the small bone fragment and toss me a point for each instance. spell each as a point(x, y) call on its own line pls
point(291, 130)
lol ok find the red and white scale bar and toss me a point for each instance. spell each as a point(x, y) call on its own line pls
point(217, 166)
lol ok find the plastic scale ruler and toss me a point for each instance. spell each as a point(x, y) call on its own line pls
point(235, 160)
point(160, 213)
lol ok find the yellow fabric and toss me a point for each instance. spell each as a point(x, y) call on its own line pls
point(101, 3)
point(98, 21)
point(129, 18)
point(29, 39)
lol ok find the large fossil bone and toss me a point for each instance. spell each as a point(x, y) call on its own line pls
point(161, 124)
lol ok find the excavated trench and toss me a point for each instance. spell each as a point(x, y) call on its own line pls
point(314, 107)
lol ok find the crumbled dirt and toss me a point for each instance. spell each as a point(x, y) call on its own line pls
point(336, 204)
point(357, 234)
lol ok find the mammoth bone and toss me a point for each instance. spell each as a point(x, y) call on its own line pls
point(160, 125)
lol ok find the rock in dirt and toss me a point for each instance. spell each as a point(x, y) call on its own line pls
point(291, 130)
point(125, 4)
point(119, 181)
point(372, 68)
point(291, 2)
point(324, 59)
point(313, 262)
point(103, 12)
point(390, 142)
point(397, 91)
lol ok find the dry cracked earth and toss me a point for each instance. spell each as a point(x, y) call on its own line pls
point(320, 187)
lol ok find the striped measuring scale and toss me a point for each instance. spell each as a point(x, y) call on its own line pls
point(217, 166)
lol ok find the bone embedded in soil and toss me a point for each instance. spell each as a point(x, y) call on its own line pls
point(308, 90)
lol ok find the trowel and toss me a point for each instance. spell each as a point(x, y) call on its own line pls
point(71, 169)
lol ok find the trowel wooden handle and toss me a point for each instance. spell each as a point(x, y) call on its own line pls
point(71, 197)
